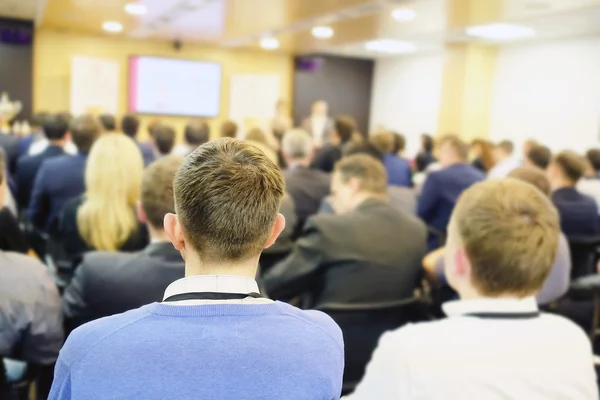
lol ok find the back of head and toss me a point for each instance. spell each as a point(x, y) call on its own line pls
point(539, 156)
point(164, 138)
point(229, 129)
point(509, 232)
point(593, 156)
point(344, 127)
point(55, 127)
point(157, 189)
point(399, 142)
point(384, 141)
point(533, 176)
point(452, 149)
point(196, 133)
point(571, 165)
point(427, 142)
point(485, 152)
point(368, 171)
point(297, 144)
point(84, 131)
point(257, 135)
point(108, 122)
point(130, 124)
point(506, 147)
point(366, 148)
point(227, 196)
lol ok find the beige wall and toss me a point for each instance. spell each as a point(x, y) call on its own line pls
point(52, 63)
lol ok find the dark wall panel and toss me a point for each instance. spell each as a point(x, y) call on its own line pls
point(345, 83)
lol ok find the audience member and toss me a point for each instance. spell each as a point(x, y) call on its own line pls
point(36, 134)
point(442, 188)
point(56, 130)
point(41, 142)
point(397, 168)
point(227, 195)
point(354, 255)
point(281, 122)
point(308, 187)
point(331, 152)
point(229, 129)
point(483, 156)
point(527, 146)
point(319, 125)
point(258, 138)
point(590, 185)
point(130, 125)
point(425, 156)
point(163, 139)
point(578, 212)
point(495, 343)
point(61, 178)
point(104, 218)
point(108, 283)
point(10, 144)
point(108, 122)
point(593, 157)
point(557, 281)
point(504, 160)
point(196, 133)
point(538, 156)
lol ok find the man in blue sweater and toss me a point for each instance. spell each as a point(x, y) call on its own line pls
point(213, 336)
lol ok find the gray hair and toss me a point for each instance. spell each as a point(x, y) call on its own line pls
point(297, 143)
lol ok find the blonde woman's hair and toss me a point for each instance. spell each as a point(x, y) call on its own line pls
point(113, 178)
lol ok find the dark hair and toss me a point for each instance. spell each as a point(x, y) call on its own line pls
point(108, 121)
point(164, 137)
point(367, 148)
point(571, 164)
point(427, 142)
point(460, 147)
point(593, 156)
point(229, 129)
point(507, 146)
point(399, 142)
point(344, 127)
point(55, 127)
point(196, 133)
point(130, 124)
point(84, 132)
point(369, 172)
point(540, 156)
point(157, 189)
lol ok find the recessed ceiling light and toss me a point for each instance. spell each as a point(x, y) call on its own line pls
point(404, 14)
point(112, 26)
point(500, 31)
point(135, 8)
point(390, 46)
point(269, 43)
point(322, 32)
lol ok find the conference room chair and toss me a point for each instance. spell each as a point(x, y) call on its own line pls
point(589, 286)
point(584, 252)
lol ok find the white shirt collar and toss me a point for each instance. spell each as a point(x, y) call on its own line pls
point(503, 305)
point(212, 283)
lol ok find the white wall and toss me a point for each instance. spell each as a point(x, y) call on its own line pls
point(406, 96)
point(549, 92)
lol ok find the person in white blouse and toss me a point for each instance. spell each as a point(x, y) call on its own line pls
point(495, 343)
point(319, 124)
point(505, 160)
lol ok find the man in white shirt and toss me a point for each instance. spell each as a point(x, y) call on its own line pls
point(495, 344)
point(319, 124)
point(505, 160)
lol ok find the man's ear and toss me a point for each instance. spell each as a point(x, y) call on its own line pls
point(461, 263)
point(141, 214)
point(278, 226)
point(174, 232)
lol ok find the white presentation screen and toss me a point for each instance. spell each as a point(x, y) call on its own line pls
point(174, 87)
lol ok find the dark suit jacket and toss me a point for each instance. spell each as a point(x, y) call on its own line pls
point(371, 254)
point(111, 283)
point(308, 187)
point(578, 213)
point(147, 153)
point(326, 158)
point(58, 180)
point(27, 168)
point(10, 145)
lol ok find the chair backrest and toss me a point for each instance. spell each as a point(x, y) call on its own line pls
point(583, 255)
point(363, 324)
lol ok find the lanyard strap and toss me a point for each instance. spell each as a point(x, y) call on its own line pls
point(500, 315)
point(211, 296)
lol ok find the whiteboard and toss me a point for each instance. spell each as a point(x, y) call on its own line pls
point(253, 97)
point(94, 85)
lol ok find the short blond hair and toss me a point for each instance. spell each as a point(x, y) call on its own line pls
point(369, 172)
point(510, 231)
point(460, 147)
point(384, 141)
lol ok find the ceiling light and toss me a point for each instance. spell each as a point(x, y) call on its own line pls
point(322, 32)
point(500, 31)
point(390, 46)
point(135, 8)
point(404, 14)
point(269, 43)
point(112, 26)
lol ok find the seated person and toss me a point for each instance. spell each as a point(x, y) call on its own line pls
point(397, 168)
point(578, 212)
point(590, 185)
point(442, 188)
point(538, 156)
point(213, 336)
point(425, 157)
point(60, 179)
point(367, 252)
point(228, 129)
point(108, 122)
point(163, 139)
point(104, 218)
point(495, 343)
point(557, 282)
point(330, 153)
point(308, 187)
point(196, 133)
point(130, 125)
point(505, 160)
point(108, 283)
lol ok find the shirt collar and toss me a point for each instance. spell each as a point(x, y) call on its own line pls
point(212, 283)
point(504, 305)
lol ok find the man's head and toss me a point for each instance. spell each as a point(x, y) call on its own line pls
point(593, 157)
point(196, 133)
point(355, 179)
point(164, 138)
point(452, 150)
point(84, 132)
point(55, 127)
point(384, 141)
point(319, 108)
point(227, 197)
point(534, 176)
point(367, 148)
point(528, 145)
point(229, 129)
point(538, 156)
point(297, 147)
point(427, 142)
point(399, 143)
point(157, 191)
point(566, 169)
point(344, 127)
point(130, 124)
point(108, 122)
point(502, 240)
point(503, 150)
